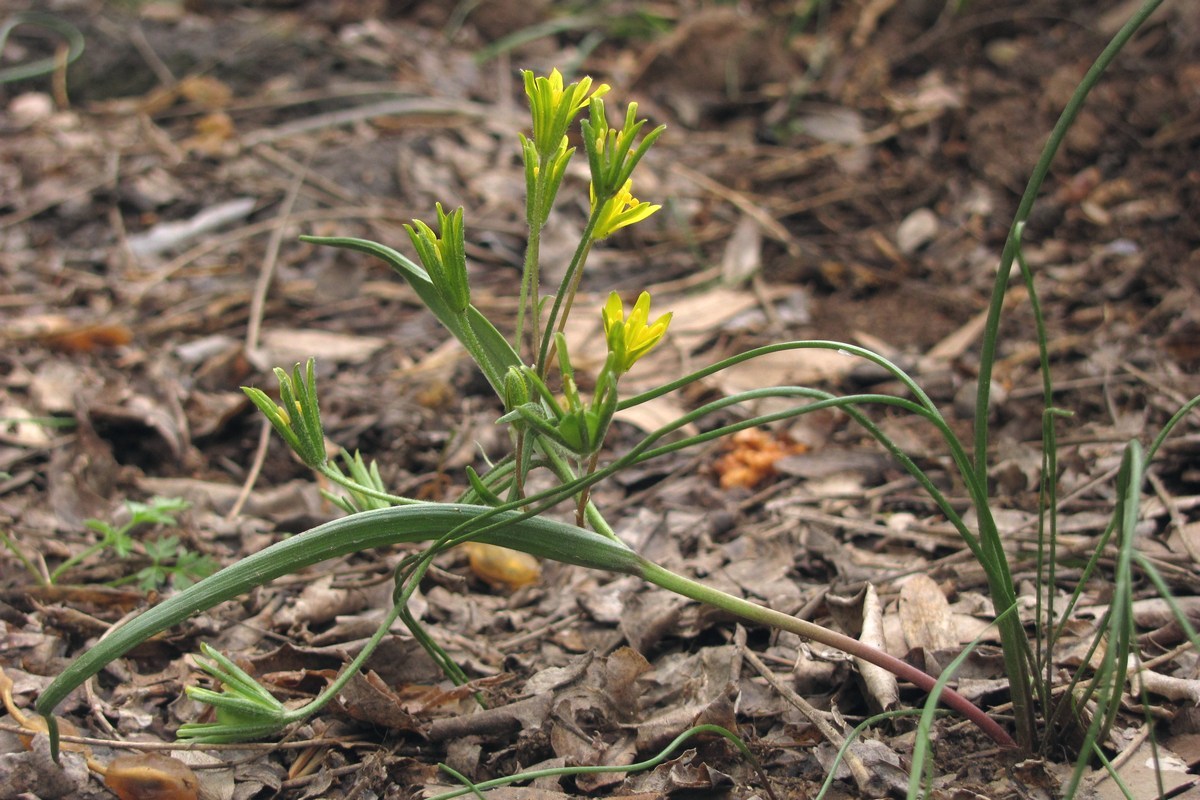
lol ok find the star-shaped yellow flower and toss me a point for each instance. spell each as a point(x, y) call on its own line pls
point(630, 339)
point(621, 209)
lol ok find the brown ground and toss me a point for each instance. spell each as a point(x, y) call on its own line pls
point(848, 173)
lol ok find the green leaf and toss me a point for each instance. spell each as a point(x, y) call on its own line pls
point(413, 523)
point(159, 511)
point(151, 577)
point(489, 349)
point(162, 549)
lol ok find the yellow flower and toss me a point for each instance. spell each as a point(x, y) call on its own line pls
point(630, 339)
point(579, 91)
point(621, 209)
point(554, 106)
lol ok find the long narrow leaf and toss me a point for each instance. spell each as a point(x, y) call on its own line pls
point(370, 529)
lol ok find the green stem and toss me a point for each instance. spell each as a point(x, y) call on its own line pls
point(571, 290)
point(532, 267)
point(497, 479)
point(331, 472)
point(445, 662)
point(832, 772)
point(348, 672)
point(582, 505)
point(553, 772)
point(987, 354)
point(576, 265)
point(77, 559)
point(802, 344)
point(486, 366)
point(383, 527)
point(643, 451)
point(1175, 419)
point(520, 463)
point(1164, 592)
point(562, 470)
point(922, 764)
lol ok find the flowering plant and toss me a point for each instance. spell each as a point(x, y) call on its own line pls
point(563, 434)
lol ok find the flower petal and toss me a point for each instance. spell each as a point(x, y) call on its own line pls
point(630, 339)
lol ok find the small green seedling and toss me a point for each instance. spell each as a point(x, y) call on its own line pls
point(170, 561)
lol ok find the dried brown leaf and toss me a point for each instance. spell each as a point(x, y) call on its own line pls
point(527, 714)
point(1141, 773)
point(320, 602)
point(368, 699)
point(743, 252)
point(621, 671)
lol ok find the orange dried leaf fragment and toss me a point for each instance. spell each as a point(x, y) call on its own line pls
point(89, 338)
point(751, 457)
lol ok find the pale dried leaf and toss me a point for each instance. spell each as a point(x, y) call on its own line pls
point(1189, 536)
point(53, 387)
point(551, 678)
point(699, 316)
point(917, 230)
point(836, 124)
point(1142, 773)
point(20, 428)
point(33, 773)
point(743, 252)
point(287, 346)
point(282, 501)
point(176, 234)
point(956, 343)
point(883, 691)
point(925, 615)
point(215, 783)
point(656, 413)
point(1153, 612)
point(321, 602)
point(790, 368)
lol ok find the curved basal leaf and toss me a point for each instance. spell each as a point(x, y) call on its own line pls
point(369, 529)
